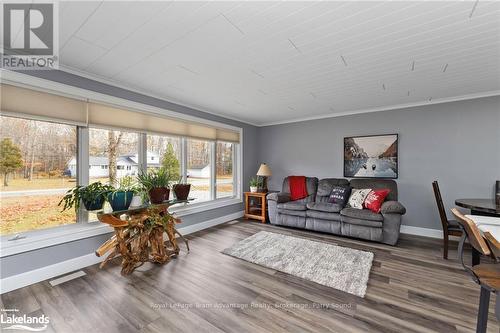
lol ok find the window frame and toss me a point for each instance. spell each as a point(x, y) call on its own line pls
point(36, 239)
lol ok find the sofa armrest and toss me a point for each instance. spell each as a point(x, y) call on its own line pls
point(392, 207)
point(279, 197)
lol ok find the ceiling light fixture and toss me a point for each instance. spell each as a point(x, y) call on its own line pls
point(473, 8)
point(343, 60)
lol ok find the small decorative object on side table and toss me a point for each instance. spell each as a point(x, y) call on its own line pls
point(256, 206)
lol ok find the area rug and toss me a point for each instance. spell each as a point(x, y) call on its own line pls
point(334, 266)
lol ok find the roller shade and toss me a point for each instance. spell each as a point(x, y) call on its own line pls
point(28, 102)
point(109, 116)
point(23, 101)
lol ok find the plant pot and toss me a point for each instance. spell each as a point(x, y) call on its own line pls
point(182, 191)
point(120, 200)
point(136, 201)
point(96, 204)
point(253, 189)
point(159, 194)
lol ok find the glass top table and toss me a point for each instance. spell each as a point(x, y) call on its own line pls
point(478, 206)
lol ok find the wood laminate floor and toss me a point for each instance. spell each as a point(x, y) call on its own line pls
point(411, 289)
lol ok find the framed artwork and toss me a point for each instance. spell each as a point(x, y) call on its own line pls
point(374, 156)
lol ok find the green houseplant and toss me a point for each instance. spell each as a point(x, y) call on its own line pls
point(156, 183)
point(120, 198)
point(181, 189)
point(93, 196)
point(254, 184)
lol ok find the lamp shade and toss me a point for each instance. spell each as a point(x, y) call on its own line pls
point(264, 170)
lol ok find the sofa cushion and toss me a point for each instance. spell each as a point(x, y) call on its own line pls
point(340, 195)
point(375, 199)
point(292, 205)
point(357, 198)
point(301, 213)
point(324, 207)
point(323, 215)
point(363, 214)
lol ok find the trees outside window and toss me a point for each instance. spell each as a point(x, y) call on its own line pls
point(10, 159)
point(224, 169)
point(34, 160)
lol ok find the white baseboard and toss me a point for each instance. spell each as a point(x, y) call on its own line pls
point(426, 232)
point(41, 274)
point(210, 223)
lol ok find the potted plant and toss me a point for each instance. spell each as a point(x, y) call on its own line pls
point(181, 189)
point(254, 184)
point(131, 184)
point(93, 196)
point(120, 198)
point(156, 184)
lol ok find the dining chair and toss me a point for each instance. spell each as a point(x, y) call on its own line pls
point(450, 227)
point(486, 275)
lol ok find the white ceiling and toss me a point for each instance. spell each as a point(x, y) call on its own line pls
point(271, 62)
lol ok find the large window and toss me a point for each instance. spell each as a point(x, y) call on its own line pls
point(112, 155)
point(50, 143)
point(164, 152)
point(199, 169)
point(35, 163)
point(224, 169)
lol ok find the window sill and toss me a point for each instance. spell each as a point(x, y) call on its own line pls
point(38, 239)
point(193, 208)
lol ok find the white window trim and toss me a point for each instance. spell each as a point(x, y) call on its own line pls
point(36, 239)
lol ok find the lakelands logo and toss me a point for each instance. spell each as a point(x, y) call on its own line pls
point(30, 36)
point(10, 320)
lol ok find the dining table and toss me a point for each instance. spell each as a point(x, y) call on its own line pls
point(485, 214)
point(482, 210)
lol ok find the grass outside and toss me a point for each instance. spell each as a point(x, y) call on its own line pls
point(26, 213)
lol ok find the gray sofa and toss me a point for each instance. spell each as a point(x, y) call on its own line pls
point(315, 212)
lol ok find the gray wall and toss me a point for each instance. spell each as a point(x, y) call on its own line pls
point(456, 143)
point(28, 261)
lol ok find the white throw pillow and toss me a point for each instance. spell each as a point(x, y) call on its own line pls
point(357, 197)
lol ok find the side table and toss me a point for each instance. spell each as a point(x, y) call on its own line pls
point(256, 205)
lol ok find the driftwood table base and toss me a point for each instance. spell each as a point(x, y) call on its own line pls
point(139, 237)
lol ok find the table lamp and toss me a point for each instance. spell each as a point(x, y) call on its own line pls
point(264, 172)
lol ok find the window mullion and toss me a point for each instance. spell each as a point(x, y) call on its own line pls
point(184, 158)
point(143, 152)
point(82, 166)
point(213, 170)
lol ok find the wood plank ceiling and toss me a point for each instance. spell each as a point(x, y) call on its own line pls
point(268, 62)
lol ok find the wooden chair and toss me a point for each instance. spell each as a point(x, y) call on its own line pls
point(486, 275)
point(450, 227)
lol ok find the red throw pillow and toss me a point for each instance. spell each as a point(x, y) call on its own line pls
point(375, 199)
